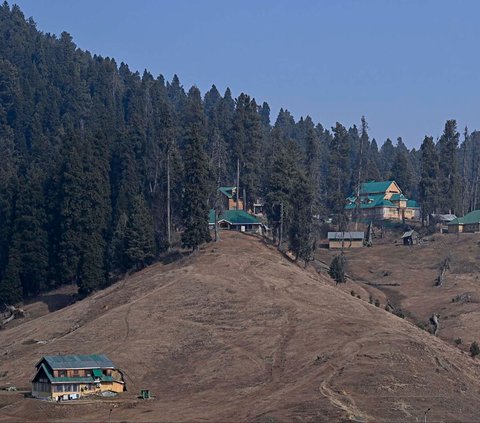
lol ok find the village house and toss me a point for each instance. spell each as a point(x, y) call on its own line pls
point(470, 223)
point(228, 198)
point(236, 220)
point(345, 240)
point(382, 201)
point(64, 377)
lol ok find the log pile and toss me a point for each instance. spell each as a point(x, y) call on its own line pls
point(11, 312)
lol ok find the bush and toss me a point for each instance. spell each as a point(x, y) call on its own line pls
point(474, 349)
point(377, 303)
point(458, 341)
point(337, 269)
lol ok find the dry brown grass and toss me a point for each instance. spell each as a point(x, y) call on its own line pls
point(239, 333)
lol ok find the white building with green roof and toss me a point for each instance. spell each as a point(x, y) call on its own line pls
point(382, 201)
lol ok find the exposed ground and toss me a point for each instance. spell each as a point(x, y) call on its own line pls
point(239, 333)
point(406, 277)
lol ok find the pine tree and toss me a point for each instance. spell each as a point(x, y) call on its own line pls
point(301, 228)
point(140, 243)
point(449, 175)
point(28, 256)
point(337, 269)
point(196, 175)
point(338, 180)
point(401, 172)
point(429, 178)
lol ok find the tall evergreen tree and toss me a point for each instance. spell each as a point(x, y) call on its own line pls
point(429, 178)
point(338, 180)
point(449, 174)
point(196, 175)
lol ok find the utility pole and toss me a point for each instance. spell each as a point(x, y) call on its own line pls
point(169, 229)
point(237, 190)
point(281, 225)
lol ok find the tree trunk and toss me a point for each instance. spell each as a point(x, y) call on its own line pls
point(169, 229)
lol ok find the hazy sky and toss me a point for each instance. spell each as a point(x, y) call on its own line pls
point(406, 65)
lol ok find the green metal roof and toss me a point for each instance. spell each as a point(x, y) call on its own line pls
point(227, 191)
point(234, 217)
point(371, 201)
point(78, 379)
point(397, 197)
point(472, 217)
point(412, 204)
point(91, 361)
point(375, 187)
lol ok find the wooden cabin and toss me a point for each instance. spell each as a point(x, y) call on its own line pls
point(236, 220)
point(229, 198)
point(338, 240)
point(66, 377)
point(470, 223)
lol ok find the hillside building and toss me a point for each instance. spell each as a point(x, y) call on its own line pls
point(470, 223)
point(344, 240)
point(65, 377)
point(236, 220)
point(228, 197)
point(382, 201)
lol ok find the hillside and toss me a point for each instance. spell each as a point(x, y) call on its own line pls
point(237, 332)
point(406, 277)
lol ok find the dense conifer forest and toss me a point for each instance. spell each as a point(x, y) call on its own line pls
point(92, 154)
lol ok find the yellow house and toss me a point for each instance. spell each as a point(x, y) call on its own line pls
point(64, 377)
point(382, 201)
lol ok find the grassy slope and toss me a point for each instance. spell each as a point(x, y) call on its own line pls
point(237, 332)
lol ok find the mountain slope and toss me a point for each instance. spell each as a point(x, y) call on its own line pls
point(238, 333)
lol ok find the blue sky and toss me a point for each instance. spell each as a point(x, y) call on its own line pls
point(407, 65)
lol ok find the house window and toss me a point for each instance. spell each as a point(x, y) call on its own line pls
point(62, 373)
point(75, 373)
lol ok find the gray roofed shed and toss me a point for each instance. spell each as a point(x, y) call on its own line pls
point(346, 235)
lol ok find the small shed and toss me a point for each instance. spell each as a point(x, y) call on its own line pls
point(345, 239)
point(410, 237)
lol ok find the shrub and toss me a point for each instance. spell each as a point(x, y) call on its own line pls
point(458, 341)
point(474, 349)
point(337, 269)
point(377, 303)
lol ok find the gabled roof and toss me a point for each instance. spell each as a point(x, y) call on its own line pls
point(370, 201)
point(345, 235)
point(397, 197)
point(227, 191)
point(78, 379)
point(234, 217)
point(92, 361)
point(375, 187)
point(472, 217)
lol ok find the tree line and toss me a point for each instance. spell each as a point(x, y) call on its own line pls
point(102, 166)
